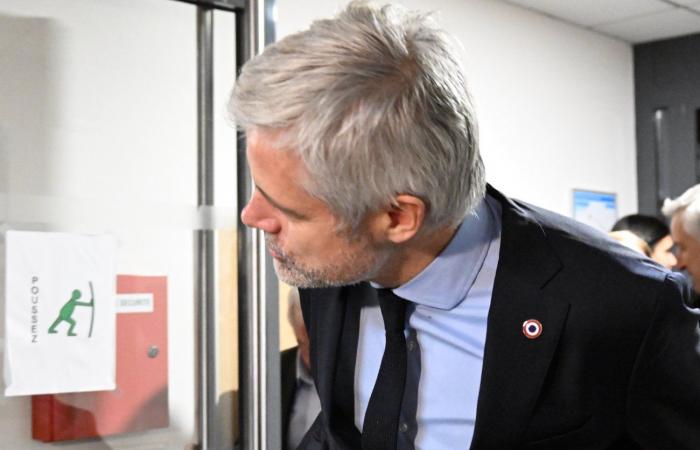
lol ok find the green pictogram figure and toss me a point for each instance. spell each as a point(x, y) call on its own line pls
point(66, 313)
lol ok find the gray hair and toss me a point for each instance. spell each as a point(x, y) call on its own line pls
point(375, 104)
point(688, 205)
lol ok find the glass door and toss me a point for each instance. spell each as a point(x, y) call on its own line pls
point(112, 114)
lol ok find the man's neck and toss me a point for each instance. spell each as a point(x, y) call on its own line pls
point(414, 256)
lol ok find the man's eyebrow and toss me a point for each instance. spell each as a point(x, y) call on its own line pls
point(288, 211)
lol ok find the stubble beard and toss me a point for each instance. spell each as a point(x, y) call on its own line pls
point(361, 264)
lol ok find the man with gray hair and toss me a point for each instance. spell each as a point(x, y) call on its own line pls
point(442, 314)
point(684, 213)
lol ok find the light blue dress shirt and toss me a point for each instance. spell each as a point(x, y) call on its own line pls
point(445, 337)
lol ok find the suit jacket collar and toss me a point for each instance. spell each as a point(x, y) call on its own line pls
point(514, 366)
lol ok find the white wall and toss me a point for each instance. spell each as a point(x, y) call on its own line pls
point(555, 103)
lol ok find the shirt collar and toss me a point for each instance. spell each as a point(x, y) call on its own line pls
point(445, 282)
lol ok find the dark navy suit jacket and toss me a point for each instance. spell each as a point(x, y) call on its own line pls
point(616, 365)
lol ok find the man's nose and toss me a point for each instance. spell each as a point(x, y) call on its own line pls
point(257, 215)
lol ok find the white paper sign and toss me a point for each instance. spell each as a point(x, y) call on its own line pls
point(59, 313)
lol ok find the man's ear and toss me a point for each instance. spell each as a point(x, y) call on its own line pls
point(405, 218)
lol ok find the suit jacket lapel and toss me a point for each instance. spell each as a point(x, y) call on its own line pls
point(333, 322)
point(514, 366)
point(324, 324)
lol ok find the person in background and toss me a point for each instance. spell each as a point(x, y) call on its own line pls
point(654, 232)
point(300, 403)
point(684, 213)
point(631, 240)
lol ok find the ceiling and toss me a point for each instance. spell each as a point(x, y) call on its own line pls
point(633, 21)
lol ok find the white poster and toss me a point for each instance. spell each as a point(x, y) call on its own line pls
point(59, 313)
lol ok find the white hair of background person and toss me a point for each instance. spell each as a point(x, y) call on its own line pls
point(688, 204)
point(375, 104)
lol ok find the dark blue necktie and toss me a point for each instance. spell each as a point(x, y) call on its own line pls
point(380, 427)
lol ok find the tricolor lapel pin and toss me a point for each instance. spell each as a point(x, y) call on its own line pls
point(532, 328)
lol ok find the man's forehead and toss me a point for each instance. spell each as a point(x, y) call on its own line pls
point(279, 175)
point(678, 232)
point(268, 146)
point(270, 137)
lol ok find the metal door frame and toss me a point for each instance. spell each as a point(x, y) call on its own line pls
point(258, 312)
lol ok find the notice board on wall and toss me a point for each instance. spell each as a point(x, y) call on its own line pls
point(596, 209)
point(140, 401)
